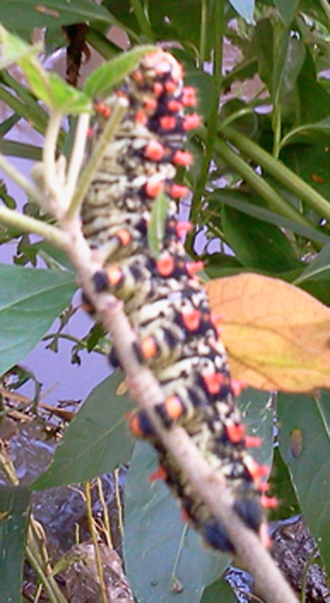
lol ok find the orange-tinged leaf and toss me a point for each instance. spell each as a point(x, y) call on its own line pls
point(276, 335)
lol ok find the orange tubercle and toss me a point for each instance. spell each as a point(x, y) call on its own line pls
point(191, 121)
point(160, 473)
point(236, 433)
point(124, 236)
point(264, 487)
point(178, 191)
point(269, 502)
point(153, 188)
point(237, 386)
point(141, 117)
point(170, 86)
point(174, 105)
point(185, 515)
point(157, 88)
point(191, 320)
point(256, 471)
point(154, 150)
point(150, 103)
point(114, 275)
point(174, 407)
point(165, 265)
point(182, 158)
point(182, 228)
point(252, 441)
point(167, 122)
point(213, 382)
point(135, 427)
point(193, 267)
point(148, 347)
point(103, 109)
point(189, 96)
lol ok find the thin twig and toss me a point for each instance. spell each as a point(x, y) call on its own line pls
point(118, 502)
point(30, 189)
point(77, 155)
point(106, 521)
point(98, 560)
point(54, 184)
point(53, 235)
point(37, 562)
point(96, 157)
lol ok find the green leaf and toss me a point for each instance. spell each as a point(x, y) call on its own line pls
point(287, 9)
point(30, 301)
point(53, 90)
point(311, 163)
point(14, 49)
point(256, 244)
point(47, 86)
point(96, 441)
point(20, 149)
point(14, 515)
point(259, 420)
point(245, 9)
point(103, 79)
point(165, 562)
point(262, 45)
point(288, 63)
point(313, 99)
point(319, 269)
point(219, 591)
point(156, 228)
point(236, 200)
point(172, 22)
point(282, 489)
point(304, 438)
point(23, 16)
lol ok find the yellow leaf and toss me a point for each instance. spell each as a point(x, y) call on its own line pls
point(276, 335)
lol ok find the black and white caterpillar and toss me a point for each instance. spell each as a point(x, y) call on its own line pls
point(177, 336)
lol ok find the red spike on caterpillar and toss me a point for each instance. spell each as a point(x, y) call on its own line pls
point(182, 158)
point(154, 150)
point(236, 433)
point(237, 386)
point(193, 267)
point(182, 228)
point(159, 474)
point(178, 191)
point(189, 97)
point(252, 441)
point(191, 122)
point(177, 336)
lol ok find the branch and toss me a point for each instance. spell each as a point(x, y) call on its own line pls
point(30, 189)
point(28, 225)
point(146, 391)
point(96, 157)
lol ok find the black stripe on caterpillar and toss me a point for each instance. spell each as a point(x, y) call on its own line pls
point(177, 336)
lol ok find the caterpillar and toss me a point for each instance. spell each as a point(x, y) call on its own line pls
point(177, 335)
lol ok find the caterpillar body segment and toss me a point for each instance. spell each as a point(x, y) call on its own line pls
point(176, 334)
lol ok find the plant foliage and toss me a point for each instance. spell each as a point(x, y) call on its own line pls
point(260, 183)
